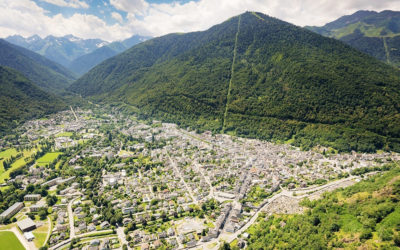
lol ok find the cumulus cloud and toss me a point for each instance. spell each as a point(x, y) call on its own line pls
point(68, 3)
point(117, 16)
point(159, 19)
point(26, 18)
point(131, 6)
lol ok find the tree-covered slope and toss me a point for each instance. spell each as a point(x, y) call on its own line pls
point(257, 76)
point(46, 74)
point(363, 216)
point(83, 64)
point(21, 100)
point(377, 34)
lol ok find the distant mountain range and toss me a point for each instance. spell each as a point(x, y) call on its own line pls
point(257, 76)
point(68, 50)
point(86, 62)
point(377, 34)
point(45, 73)
point(20, 100)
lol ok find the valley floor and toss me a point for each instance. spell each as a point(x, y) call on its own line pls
point(105, 178)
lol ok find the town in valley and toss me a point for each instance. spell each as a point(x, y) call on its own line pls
point(99, 178)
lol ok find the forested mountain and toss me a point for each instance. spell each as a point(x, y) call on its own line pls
point(377, 34)
point(84, 63)
point(44, 73)
point(20, 100)
point(62, 50)
point(257, 76)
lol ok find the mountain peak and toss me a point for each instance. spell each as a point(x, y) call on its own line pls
point(72, 38)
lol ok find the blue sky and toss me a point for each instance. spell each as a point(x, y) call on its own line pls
point(99, 8)
point(119, 19)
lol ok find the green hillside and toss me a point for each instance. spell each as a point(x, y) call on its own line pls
point(86, 62)
point(377, 34)
point(363, 216)
point(21, 100)
point(260, 77)
point(48, 75)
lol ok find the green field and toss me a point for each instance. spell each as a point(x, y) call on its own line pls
point(17, 164)
point(8, 240)
point(64, 134)
point(40, 235)
point(47, 158)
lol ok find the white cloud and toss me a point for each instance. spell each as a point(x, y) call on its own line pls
point(26, 18)
point(68, 3)
point(159, 19)
point(131, 6)
point(117, 16)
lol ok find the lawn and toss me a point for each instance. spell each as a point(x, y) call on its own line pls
point(40, 233)
point(8, 240)
point(17, 164)
point(47, 158)
point(64, 134)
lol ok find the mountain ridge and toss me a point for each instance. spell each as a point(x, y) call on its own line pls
point(86, 62)
point(43, 72)
point(58, 49)
point(286, 83)
point(374, 33)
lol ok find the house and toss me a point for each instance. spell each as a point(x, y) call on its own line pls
point(157, 243)
point(126, 221)
point(104, 225)
point(128, 210)
point(26, 225)
point(38, 206)
point(145, 246)
point(15, 208)
point(32, 197)
point(29, 236)
point(60, 227)
point(78, 210)
point(91, 228)
point(170, 232)
point(162, 235)
point(191, 244)
point(95, 242)
point(82, 226)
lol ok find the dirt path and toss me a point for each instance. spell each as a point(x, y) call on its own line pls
point(228, 95)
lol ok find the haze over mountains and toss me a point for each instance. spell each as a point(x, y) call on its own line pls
point(257, 76)
point(79, 55)
point(374, 33)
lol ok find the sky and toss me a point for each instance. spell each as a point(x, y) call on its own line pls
point(112, 20)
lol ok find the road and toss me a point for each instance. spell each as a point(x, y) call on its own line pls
point(121, 237)
point(206, 178)
point(65, 242)
point(174, 165)
point(71, 219)
point(48, 231)
point(73, 112)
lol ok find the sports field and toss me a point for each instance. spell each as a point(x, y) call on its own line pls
point(8, 240)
